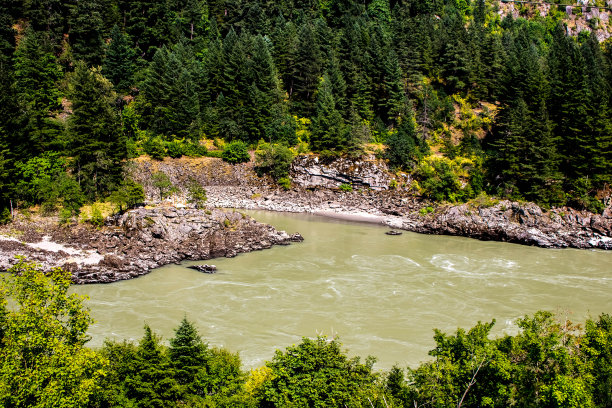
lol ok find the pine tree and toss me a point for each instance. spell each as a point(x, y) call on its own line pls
point(308, 69)
point(188, 356)
point(328, 129)
point(152, 384)
point(86, 28)
point(404, 148)
point(119, 64)
point(36, 75)
point(96, 145)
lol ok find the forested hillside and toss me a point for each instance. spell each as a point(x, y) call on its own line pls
point(468, 100)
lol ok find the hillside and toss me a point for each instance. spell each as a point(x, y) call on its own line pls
point(469, 98)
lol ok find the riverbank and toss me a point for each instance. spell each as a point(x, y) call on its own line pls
point(135, 242)
point(315, 190)
point(491, 220)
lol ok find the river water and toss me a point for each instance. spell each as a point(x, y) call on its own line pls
point(382, 295)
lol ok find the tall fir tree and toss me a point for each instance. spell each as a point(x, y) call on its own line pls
point(96, 145)
point(36, 75)
point(119, 64)
point(328, 129)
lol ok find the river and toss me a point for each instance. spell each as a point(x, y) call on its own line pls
point(382, 295)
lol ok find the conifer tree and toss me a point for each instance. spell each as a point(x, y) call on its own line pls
point(404, 147)
point(308, 68)
point(36, 74)
point(119, 64)
point(152, 384)
point(86, 29)
point(96, 144)
point(328, 129)
point(188, 356)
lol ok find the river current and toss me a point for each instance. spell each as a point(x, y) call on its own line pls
point(381, 295)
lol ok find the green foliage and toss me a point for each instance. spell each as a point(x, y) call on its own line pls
point(127, 195)
point(95, 143)
point(316, 373)
point(196, 194)
point(273, 159)
point(43, 361)
point(441, 178)
point(345, 187)
point(284, 182)
point(96, 219)
point(236, 152)
point(161, 181)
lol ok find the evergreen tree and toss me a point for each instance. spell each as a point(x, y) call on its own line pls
point(404, 148)
point(152, 384)
point(188, 356)
point(96, 144)
point(328, 129)
point(119, 64)
point(36, 74)
point(86, 30)
point(308, 67)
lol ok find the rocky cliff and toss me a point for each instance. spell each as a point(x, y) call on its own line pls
point(134, 243)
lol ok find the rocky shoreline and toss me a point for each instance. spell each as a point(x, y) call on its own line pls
point(315, 190)
point(507, 221)
point(135, 242)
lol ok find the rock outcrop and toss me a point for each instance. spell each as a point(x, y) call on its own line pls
point(134, 243)
point(315, 191)
point(310, 171)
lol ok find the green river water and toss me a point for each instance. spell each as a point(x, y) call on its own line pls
point(382, 295)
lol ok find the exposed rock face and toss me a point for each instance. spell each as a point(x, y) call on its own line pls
point(523, 223)
point(519, 223)
point(139, 240)
point(309, 171)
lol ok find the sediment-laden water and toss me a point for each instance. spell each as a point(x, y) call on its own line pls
point(382, 295)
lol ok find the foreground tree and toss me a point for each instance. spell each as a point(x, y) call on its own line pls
point(316, 373)
point(43, 361)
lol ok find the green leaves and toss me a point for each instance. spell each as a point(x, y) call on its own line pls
point(43, 361)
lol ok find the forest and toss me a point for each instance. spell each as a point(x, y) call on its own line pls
point(466, 100)
point(44, 362)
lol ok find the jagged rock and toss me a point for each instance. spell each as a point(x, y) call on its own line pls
point(142, 239)
point(310, 171)
point(204, 268)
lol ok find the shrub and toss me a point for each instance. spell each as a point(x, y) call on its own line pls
point(345, 187)
point(273, 159)
point(284, 182)
point(236, 152)
point(97, 220)
point(215, 153)
point(175, 149)
point(155, 148)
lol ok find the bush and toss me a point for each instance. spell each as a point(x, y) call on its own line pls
point(175, 149)
point(155, 148)
point(236, 152)
point(97, 220)
point(194, 150)
point(345, 187)
point(284, 182)
point(273, 159)
point(215, 153)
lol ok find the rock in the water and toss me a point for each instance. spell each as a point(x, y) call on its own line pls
point(204, 268)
